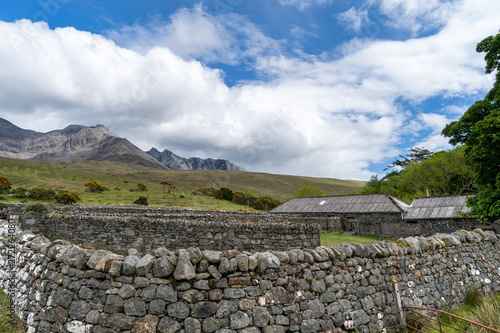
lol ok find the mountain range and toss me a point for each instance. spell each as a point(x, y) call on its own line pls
point(95, 143)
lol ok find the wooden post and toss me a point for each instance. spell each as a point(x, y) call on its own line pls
point(399, 304)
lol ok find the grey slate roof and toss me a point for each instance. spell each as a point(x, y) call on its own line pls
point(437, 207)
point(366, 203)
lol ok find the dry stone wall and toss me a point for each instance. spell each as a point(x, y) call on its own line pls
point(120, 228)
point(60, 287)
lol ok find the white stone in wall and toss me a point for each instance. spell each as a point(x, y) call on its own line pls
point(76, 326)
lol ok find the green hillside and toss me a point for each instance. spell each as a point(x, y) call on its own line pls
point(72, 175)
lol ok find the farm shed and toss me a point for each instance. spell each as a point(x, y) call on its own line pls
point(367, 214)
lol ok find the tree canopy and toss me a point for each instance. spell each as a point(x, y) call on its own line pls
point(305, 191)
point(479, 131)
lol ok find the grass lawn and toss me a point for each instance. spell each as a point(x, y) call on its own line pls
point(5, 321)
point(485, 311)
point(335, 238)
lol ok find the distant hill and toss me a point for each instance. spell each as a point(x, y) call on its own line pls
point(94, 143)
point(175, 162)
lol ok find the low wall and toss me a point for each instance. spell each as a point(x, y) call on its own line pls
point(146, 234)
point(59, 287)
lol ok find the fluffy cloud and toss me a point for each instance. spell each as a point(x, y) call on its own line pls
point(303, 4)
point(353, 18)
point(330, 116)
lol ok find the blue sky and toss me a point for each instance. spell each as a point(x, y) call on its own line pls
point(305, 87)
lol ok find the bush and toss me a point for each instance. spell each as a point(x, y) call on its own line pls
point(142, 201)
point(209, 191)
point(5, 185)
point(66, 197)
point(20, 192)
point(240, 198)
point(95, 187)
point(224, 193)
point(41, 193)
point(141, 187)
point(36, 208)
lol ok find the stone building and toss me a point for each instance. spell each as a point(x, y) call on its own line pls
point(382, 215)
point(360, 213)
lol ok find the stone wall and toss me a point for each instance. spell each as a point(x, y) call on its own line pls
point(59, 287)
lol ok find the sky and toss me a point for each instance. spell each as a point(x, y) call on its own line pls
point(317, 88)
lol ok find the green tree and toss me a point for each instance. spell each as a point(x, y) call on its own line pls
point(143, 201)
point(307, 190)
point(479, 130)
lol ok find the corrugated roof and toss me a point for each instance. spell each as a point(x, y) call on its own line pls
point(368, 203)
point(437, 207)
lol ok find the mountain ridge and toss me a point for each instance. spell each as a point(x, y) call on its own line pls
point(175, 162)
point(95, 143)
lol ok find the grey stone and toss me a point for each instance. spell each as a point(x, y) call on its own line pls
point(195, 254)
point(96, 257)
point(134, 306)
point(211, 325)
point(193, 296)
point(114, 304)
point(242, 261)
point(309, 326)
point(233, 293)
point(223, 265)
point(317, 308)
point(184, 269)
point(133, 252)
point(360, 317)
point(179, 310)
point(161, 252)
point(166, 293)
point(78, 310)
point(192, 325)
point(157, 306)
point(214, 272)
point(126, 291)
point(212, 257)
point(144, 265)
point(251, 329)
point(149, 292)
point(168, 325)
point(274, 329)
point(116, 268)
point(260, 316)
point(92, 317)
point(76, 257)
point(63, 297)
point(318, 286)
point(332, 309)
point(129, 264)
point(204, 309)
point(226, 308)
point(141, 282)
point(85, 293)
point(278, 295)
point(239, 320)
point(162, 267)
point(120, 321)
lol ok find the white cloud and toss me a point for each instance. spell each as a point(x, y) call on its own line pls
point(193, 34)
point(331, 116)
point(303, 4)
point(418, 16)
point(353, 18)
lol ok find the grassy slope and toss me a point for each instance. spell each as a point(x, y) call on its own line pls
point(6, 325)
point(72, 175)
point(335, 238)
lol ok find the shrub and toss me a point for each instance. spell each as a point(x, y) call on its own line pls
point(224, 193)
point(95, 187)
point(141, 187)
point(37, 208)
point(210, 191)
point(41, 193)
point(240, 198)
point(118, 188)
point(5, 185)
point(309, 191)
point(20, 192)
point(142, 201)
point(66, 197)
